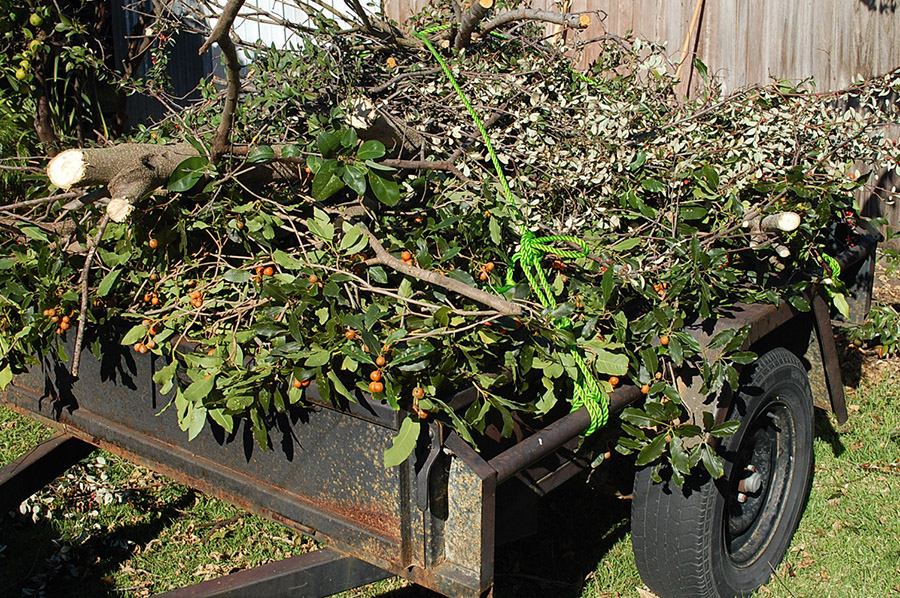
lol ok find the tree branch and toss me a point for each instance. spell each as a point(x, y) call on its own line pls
point(222, 35)
point(470, 20)
point(384, 258)
point(528, 14)
point(223, 25)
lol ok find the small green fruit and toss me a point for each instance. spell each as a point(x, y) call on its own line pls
point(35, 46)
point(25, 65)
point(35, 20)
point(21, 74)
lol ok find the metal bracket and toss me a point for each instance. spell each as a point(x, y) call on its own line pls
point(40, 466)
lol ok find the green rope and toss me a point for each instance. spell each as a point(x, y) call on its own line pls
point(587, 392)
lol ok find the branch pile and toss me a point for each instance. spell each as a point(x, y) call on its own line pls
point(375, 260)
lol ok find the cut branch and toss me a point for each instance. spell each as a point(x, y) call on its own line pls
point(384, 258)
point(130, 171)
point(528, 14)
point(470, 20)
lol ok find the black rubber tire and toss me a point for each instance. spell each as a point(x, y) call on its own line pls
point(699, 541)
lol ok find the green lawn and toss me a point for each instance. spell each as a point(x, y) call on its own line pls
point(109, 528)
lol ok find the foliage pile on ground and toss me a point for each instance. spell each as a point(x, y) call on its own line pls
point(382, 256)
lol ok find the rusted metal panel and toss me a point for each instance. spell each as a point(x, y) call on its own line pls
point(315, 574)
point(825, 337)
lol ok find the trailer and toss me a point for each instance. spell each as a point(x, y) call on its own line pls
point(437, 518)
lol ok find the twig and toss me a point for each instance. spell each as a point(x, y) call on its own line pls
point(34, 202)
point(85, 275)
point(503, 306)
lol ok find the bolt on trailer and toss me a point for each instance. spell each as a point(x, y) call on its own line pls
point(437, 518)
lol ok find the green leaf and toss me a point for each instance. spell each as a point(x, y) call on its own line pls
point(653, 185)
point(370, 150)
point(260, 153)
point(387, 192)
point(404, 443)
point(286, 261)
point(290, 151)
point(711, 462)
point(711, 176)
point(607, 285)
point(494, 228)
point(6, 377)
point(725, 429)
point(339, 386)
point(328, 143)
point(637, 418)
point(134, 335)
point(198, 421)
point(626, 245)
point(318, 359)
point(378, 166)
point(197, 391)
point(237, 276)
point(840, 302)
point(652, 451)
point(187, 173)
point(607, 362)
point(35, 234)
point(108, 282)
point(355, 178)
point(327, 181)
point(165, 377)
point(680, 460)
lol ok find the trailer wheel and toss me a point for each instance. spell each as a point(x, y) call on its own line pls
point(723, 538)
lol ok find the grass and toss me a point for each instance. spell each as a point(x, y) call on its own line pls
point(110, 528)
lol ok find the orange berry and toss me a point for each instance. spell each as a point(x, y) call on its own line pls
point(658, 375)
point(350, 334)
point(313, 279)
point(154, 300)
point(297, 383)
point(51, 312)
point(418, 393)
point(54, 319)
point(64, 325)
point(489, 266)
point(645, 388)
point(151, 344)
point(153, 243)
point(269, 271)
point(483, 275)
point(305, 383)
point(664, 340)
point(376, 387)
point(380, 361)
point(147, 297)
point(417, 220)
point(375, 376)
point(405, 256)
point(259, 270)
point(195, 295)
point(613, 381)
point(66, 319)
point(422, 413)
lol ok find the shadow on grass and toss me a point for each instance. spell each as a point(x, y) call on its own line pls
point(40, 561)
